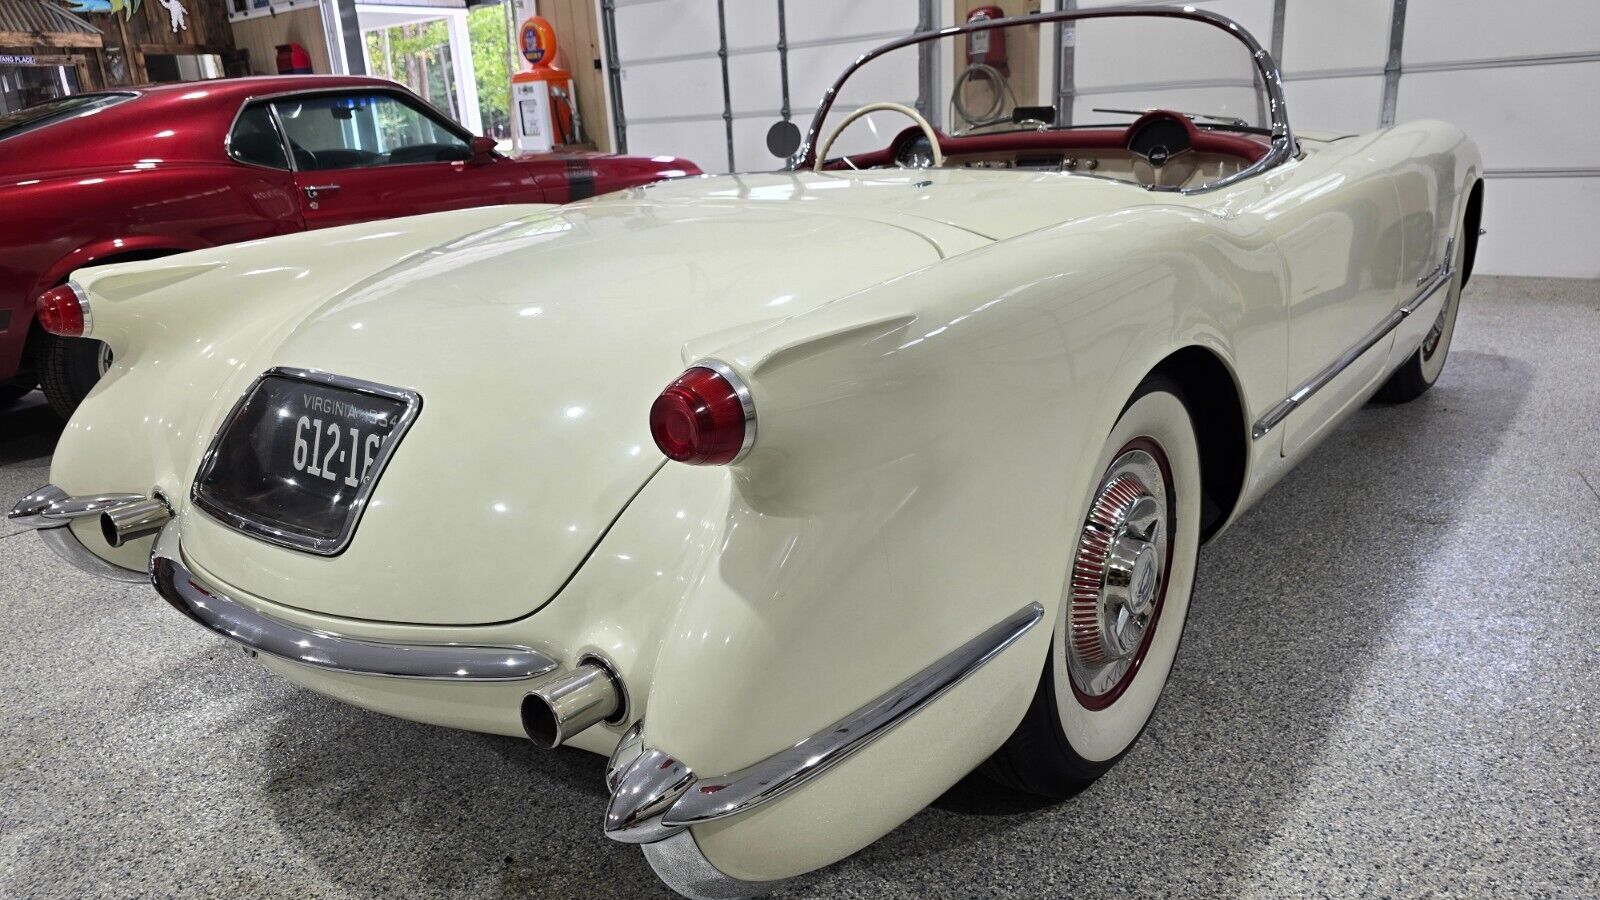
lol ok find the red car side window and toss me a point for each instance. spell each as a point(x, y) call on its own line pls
point(255, 139)
point(354, 131)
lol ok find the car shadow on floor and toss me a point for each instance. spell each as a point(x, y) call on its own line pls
point(1285, 603)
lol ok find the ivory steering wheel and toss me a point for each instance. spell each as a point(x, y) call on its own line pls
point(933, 136)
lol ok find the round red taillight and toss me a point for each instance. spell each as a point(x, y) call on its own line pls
point(63, 310)
point(705, 418)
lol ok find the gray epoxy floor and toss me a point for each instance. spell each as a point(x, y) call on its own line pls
point(1387, 689)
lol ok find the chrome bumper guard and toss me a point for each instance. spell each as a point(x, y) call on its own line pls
point(50, 509)
point(240, 623)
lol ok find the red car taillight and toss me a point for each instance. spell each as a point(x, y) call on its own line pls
point(63, 311)
point(705, 418)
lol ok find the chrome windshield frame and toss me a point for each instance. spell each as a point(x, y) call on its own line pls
point(1281, 149)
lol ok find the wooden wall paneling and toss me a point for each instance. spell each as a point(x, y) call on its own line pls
point(578, 33)
point(261, 37)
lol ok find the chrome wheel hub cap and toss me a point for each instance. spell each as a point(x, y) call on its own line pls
point(102, 359)
point(1118, 574)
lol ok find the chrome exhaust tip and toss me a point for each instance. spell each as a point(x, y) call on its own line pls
point(131, 521)
point(562, 704)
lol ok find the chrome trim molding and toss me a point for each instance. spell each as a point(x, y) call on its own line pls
point(1544, 172)
point(84, 306)
point(654, 796)
point(282, 537)
point(729, 795)
point(237, 622)
point(741, 388)
point(63, 543)
point(1435, 279)
point(680, 864)
point(1283, 146)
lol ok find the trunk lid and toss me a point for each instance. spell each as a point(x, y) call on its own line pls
point(537, 348)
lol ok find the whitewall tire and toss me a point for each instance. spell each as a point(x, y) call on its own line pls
point(1123, 606)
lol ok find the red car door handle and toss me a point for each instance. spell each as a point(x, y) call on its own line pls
point(313, 191)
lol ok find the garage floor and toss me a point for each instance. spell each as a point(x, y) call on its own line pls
point(1387, 689)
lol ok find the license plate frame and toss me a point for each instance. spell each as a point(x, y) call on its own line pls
point(285, 533)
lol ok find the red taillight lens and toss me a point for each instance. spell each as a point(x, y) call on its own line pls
point(704, 418)
point(61, 311)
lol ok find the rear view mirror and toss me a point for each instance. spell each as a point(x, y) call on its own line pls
point(483, 148)
point(783, 139)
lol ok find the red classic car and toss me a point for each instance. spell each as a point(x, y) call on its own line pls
point(131, 174)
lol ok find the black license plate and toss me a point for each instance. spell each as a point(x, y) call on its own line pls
point(297, 459)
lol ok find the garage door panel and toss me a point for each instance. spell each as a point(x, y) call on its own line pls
point(1172, 51)
point(652, 28)
point(750, 145)
point(1531, 116)
point(752, 24)
point(1540, 226)
point(812, 71)
point(755, 82)
point(702, 142)
point(678, 88)
point(1254, 15)
point(1335, 104)
point(1453, 30)
point(1352, 34)
point(828, 20)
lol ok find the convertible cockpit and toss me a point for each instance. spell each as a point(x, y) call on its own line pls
point(1163, 148)
point(1149, 99)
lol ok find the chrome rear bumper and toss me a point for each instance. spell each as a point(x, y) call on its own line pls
point(243, 625)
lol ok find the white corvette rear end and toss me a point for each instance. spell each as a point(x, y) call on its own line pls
point(943, 444)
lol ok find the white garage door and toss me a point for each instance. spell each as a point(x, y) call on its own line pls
point(1519, 78)
point(670, 70)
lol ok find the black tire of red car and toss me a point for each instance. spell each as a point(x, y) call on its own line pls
point(1086, 712)
point(68, 368)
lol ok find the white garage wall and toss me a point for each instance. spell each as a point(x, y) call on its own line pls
point(671, 73)
point(1519, 78)
point(1522, 80)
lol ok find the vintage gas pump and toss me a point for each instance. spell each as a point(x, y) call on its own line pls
point(543, 111)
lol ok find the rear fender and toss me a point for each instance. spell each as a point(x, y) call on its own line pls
point(921, 463)
point(108, 250)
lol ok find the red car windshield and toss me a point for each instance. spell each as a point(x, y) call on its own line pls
point(52, 111)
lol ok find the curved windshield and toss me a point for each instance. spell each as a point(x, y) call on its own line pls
point(1070, 90)
point(52, 111)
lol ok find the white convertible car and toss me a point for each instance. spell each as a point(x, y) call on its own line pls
point(950, 406)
